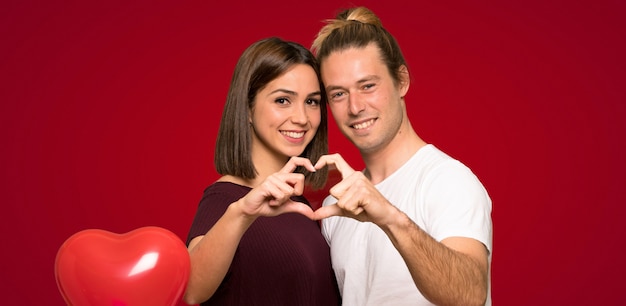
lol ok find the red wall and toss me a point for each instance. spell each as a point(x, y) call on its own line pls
point(109, 112)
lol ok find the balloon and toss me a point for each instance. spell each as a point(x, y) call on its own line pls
point(146, 266)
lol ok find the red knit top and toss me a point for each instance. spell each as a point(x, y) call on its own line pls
point(282, 260)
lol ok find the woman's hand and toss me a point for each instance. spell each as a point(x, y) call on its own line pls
point(272, 196)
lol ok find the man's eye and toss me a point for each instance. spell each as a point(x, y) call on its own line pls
point(337, 95)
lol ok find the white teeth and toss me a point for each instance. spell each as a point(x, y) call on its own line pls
point(364, 124)
point(293, 134)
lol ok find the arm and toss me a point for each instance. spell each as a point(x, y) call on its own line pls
point(451, 272)
point(212, 254)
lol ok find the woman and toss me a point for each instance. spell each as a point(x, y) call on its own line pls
point(252, 241)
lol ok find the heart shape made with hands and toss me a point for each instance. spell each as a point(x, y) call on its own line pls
point(146, 266)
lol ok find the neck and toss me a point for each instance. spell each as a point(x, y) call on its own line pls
point(381, 163)
point(266, 164)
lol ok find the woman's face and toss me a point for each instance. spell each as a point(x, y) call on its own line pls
point(286, 113)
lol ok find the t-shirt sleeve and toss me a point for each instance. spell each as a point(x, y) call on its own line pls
point(457, 205)
point(328, 223)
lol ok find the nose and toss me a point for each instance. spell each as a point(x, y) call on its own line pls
point(299, 114)
point(355, 105)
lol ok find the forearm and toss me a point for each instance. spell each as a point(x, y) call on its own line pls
point(212, 256)
point(444, 276)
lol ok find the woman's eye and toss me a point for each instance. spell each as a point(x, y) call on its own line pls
point(313, 102)
point(282, 101)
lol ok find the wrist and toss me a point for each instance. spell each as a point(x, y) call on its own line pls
point(237, 212)
point(394, 218)
point(398, 224)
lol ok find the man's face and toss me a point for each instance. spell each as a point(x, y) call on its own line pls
point(362, 97)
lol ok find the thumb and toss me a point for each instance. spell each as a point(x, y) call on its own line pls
point(298, 207)
point(327, 211)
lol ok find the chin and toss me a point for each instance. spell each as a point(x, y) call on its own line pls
point(364, 146)
point(290, 153)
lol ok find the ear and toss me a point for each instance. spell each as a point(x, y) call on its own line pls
point(405, 80)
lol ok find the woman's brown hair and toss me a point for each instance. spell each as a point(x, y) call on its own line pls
point(259, 64)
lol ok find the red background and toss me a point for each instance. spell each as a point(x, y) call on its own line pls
point(109, 113)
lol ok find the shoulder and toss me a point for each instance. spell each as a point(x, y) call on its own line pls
point(441, 166)
point(225, 186)
point(225, 190)
point(448, 183)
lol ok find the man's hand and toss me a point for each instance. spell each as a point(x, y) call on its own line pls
point(357, 197)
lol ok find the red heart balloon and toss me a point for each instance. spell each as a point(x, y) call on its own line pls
point(146, 266)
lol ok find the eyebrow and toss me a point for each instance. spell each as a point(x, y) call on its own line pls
point(289, 92)
point(332, 87)
point(365, 79)
point(293, 93)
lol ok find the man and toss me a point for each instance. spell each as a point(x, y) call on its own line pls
point(414, 227)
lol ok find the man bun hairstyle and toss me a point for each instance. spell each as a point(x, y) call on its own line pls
point(358, 27)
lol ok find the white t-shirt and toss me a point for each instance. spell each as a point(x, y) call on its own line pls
point(441, 195)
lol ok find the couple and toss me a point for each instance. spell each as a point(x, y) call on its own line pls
point(412, 228)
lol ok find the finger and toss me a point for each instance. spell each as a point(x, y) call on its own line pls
point(281, 186)
point(328, 211)
point(339, 190)
point(277, 189)
point(352, 201)
point(291, 206)
point(351, 208)
point(291, 182)
point(296, 161)
point(277, 196)
point(337, 161)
